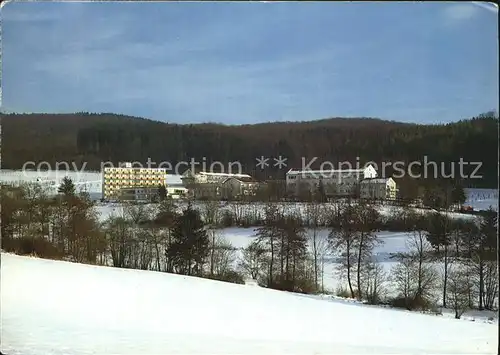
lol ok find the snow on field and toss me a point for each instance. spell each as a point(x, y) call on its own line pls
point(257, 210)
point(482, 199)
point(391, 242)
point(88, 181)
point(54, 307)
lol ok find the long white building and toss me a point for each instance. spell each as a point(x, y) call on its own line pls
point(203, 177)
point(343, 182)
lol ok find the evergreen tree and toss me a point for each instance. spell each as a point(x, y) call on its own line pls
point(489, 231)
point(67, 187)
point(486, 256)
point(320, 193)
point(458, 195)
point(190, 243)
point(293, 252)
point(268, 236)
point(162, 193)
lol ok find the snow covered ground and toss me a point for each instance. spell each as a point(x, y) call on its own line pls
point(482, 199)
point(390, 243)
point(88, 181)
point(332, 280)
point(54, 307)
point(257, 210)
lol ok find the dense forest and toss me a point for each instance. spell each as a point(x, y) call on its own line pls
point(94, 138)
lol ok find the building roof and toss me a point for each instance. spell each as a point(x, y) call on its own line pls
point(107, 168)
point(242, 179)
point(174, 179)
point(375, 181)
point(196, 171)
point(175, 185)
point(225, 174)
point(328, 171)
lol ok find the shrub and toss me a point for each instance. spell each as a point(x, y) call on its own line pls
point(344, 292)
point(229, 276)
point(299, 285)
point(38, 246)
point(227, 219)
point(411, 304)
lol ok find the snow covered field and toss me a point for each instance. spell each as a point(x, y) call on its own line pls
point(390, 243)
point(88, 181)
point(482, 199)
point(256, 210)
point(91, 182)
point(54, 307)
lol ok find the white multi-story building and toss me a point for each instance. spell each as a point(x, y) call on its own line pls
point(217, 185)
point(342, 182)
point(176, 191)
point(204, 177)
point(127, 177)
point(379, 189)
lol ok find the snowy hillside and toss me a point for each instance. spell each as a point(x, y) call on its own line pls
point(51, 307)
point(88, 181)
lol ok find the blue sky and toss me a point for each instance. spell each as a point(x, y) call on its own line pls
point(239, 63)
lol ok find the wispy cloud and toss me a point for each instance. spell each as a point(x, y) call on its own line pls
point(460, 12)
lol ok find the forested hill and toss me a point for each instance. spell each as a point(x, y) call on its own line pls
point(93, 138)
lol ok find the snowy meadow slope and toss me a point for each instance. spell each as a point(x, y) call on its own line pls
point(54, 307)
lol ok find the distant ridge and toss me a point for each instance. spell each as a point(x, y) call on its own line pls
point(96, 137)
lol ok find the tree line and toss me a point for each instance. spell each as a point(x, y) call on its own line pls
point(91, 138)
point(451, 257)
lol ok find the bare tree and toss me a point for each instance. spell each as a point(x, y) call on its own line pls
point(490, 284)
point(439, 235)
point(117, 230)
point(460, 284)
point(223, 256)
point(268, 236)
point(343, 240)
point(415, 276)
point(323, 250)
point(238, 209)
point(253, 260)
point(210, 212)
point(366, 219)
point(313, 216)
point(374, 282)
